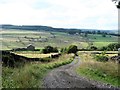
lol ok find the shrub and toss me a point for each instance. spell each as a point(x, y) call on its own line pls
point(103, 48)
point(63, 50)
point(93, 48)
point(103, 35)
point(44, 51)
point(55, 49)
point(46, 59)
point(12, 60)
point(111, 47)
point(72, 49)
point(101, 58)
point(49, 49)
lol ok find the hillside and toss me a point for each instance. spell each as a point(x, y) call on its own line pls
point(48, 28)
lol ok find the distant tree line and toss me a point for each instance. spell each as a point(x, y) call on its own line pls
point(70, 49)
point(110, 47)
point(51, 29)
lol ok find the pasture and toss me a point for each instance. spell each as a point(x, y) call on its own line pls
point(21, 38)
point(36, 55)
point(98, 40)
point(95, 52)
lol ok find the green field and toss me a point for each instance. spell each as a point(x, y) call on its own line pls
point(36, 55)
point(100, 38)
point(17, 39)
point(21, 38)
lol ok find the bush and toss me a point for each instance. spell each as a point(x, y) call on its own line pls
point(114, 46)
point(111, 47)
point(103, 35)
point(63, 50)
point(49, 49)
point(44, 51)
point(37, 49)
point(93, 48)
point(12, 60)
point(46, 59)
point(101, 58)
point(103, 48)
point(55, 49)
point(72, 49)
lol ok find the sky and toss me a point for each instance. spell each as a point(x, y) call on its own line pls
point(85, 14)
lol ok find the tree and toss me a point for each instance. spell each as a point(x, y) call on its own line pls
point(103, 35)
point(72, 49)
point(49, 49)
point(93, 48)
point(93, 32)
point(111, 47)
point(103, 48)
point(117, 2)
point(44, 51)
point(86, 34)
point(98, 32)
point(55, 49)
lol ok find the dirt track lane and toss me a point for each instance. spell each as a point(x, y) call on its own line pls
point(65, 77)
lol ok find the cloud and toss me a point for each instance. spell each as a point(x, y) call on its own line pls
point(96, 14)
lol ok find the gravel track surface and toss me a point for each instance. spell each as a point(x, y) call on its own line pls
point(66, 77)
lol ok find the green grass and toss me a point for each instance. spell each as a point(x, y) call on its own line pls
point(99, 41)
point(99, 76)
point(26, 77)
point(10, 39)
point(99, 38)
point(27, 52)
point(90, 52)
point(101, 44)
point(34, 55)
point(32, 74)
point(106, 72)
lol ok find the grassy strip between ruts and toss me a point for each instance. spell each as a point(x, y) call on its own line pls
point(106, 72)
point(31, 75)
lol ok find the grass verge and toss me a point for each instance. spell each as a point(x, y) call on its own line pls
point(106, 72)
point(31, 75)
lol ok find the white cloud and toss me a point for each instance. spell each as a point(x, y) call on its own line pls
point(99, 14)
